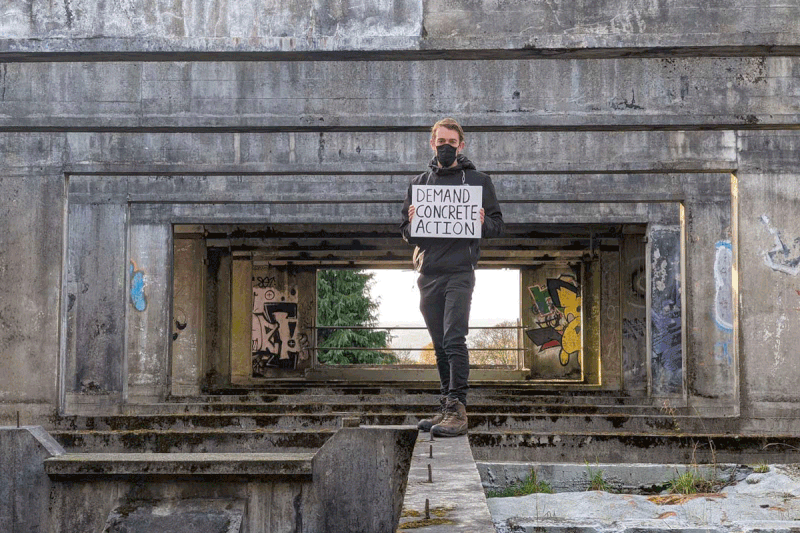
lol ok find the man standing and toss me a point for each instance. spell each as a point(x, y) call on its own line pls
point(446, 269)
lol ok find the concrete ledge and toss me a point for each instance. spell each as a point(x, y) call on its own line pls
point(566, 477)
point(627, 447)
point(455, 496)
point(179, 464)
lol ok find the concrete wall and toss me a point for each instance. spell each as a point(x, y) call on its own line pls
point(343, 25)
point(582, 112)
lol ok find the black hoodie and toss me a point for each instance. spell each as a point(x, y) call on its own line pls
point(441, 255)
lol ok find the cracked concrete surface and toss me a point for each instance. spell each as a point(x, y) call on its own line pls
point(761, 502)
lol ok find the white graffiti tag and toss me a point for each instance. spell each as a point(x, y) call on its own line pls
point(783, 257)
point(274, 328)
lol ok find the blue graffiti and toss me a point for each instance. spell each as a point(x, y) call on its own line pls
point(138, 299)
point(721, 352)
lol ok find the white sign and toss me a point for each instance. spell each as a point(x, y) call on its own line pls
point(446, 211)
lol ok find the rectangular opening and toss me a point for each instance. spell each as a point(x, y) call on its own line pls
point(266, 313)
point(372, 317)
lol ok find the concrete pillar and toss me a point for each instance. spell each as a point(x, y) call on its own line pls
point(665, 306)
point(148, 310)
point(711, 362)
point(188, 311)
point(95, 301)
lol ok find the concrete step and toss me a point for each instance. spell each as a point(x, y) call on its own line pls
point(301, 386)
point(181, 422)
point(484, 421)
point(625, 447)
point(80, 465)
point(525, 397)
point(329, 405)
point(192, 441)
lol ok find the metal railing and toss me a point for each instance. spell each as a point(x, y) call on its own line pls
point(418, 328)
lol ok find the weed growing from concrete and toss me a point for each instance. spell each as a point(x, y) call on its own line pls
point(690, 482)
point(667, 409)
point(761, 468)
point(596, 479)
point(529, 485)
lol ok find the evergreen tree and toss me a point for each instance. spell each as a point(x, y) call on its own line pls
point(343, 299)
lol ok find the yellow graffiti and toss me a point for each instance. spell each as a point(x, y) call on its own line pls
point(559, 317)
point(571, 339)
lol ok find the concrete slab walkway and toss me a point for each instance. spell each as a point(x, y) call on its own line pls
point(455, 496)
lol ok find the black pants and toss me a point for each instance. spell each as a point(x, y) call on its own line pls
point(445, 301)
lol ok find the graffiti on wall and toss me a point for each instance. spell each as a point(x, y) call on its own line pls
point(723, 290)
point(556, 312)
point(667, 349)
point(275, 342)
point(666, 362)
point(783, 257)
point(138, 298)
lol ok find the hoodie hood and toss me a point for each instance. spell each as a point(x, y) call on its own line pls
point(462, 163)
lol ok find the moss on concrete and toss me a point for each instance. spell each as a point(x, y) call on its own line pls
point(427, 522)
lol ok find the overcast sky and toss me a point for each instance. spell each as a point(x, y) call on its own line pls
point(496, 296)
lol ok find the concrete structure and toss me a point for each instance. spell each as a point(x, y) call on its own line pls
point(444, 492)
point(172, 175)
point(155, 160)
point(355, 482)
point(24, 485)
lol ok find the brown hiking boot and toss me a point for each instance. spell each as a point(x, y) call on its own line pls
point(455, 420)
point(428, 423)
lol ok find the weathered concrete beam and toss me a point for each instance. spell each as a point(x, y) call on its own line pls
point(270, 96)
point(145, 26)
point(387, 213)
point(366, 188)
point(342, 152)
point(773, 153)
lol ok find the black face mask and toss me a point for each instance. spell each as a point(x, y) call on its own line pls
point(446, 154)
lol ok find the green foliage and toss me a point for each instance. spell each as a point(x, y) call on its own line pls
point(690, 482)
point(343, 299)
point(596, 479)
point(761, 468)
point(529, 485)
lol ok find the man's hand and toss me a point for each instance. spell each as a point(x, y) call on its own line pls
point(483, 215)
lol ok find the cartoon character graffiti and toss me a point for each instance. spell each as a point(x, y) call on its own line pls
point(274, 331)
point(557, 312)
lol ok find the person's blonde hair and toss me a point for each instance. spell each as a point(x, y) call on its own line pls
point(449, 123)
